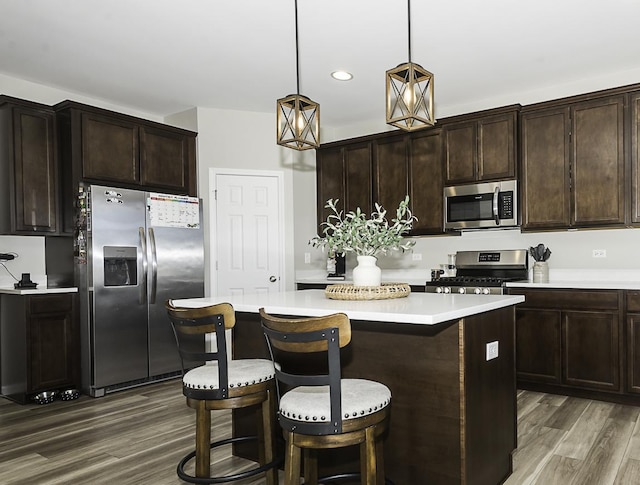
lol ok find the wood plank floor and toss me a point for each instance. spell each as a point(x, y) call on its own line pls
point(138, 436)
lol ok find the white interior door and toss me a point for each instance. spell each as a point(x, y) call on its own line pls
point(248, 233)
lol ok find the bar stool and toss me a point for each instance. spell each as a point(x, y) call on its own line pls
point(325, 411)
point(222, 383)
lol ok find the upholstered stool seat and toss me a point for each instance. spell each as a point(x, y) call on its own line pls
point(213, 381)
point(318, 409)
point(360, 397)
point(241, 373)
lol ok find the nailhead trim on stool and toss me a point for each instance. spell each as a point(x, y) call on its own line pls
point(359, 398)
point(243, 372)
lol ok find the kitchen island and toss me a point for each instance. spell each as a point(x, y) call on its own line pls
point(453, 415)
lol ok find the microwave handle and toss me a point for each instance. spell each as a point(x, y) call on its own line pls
point(496, 193)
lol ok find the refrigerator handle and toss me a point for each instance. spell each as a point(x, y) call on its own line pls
point(143, 284)
point(154, 266)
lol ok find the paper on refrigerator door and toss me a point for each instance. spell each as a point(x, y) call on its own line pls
point(166, 210)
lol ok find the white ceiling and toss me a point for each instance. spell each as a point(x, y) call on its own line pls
point(166, 56)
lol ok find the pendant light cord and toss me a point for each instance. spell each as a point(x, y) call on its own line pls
point(297, 62)
point(408, 25)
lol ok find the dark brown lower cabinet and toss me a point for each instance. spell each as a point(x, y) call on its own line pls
point(633, 342)
point(570, 340)
point(39, 344)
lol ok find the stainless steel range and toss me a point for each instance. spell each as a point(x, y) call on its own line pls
point(483, 272)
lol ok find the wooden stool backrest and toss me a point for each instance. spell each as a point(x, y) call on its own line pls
point(326, 334)
point(190, 328)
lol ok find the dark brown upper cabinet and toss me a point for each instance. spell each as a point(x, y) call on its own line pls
point(573, 164)
point(385, 168)
point(545, 174)
point(107, 147)
point(634, 108)
point(481, 146)
point(344, 172)
point(104, 147)
point(391, 172)
point(426, 181)
point(29, 200)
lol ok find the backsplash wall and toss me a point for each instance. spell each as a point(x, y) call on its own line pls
point(31, 259)
point(570, 249)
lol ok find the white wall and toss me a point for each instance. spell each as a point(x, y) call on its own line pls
point(30, 258)
point(19, 88)
point(247, 140)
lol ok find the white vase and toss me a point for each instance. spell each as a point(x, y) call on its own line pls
point(367, 272)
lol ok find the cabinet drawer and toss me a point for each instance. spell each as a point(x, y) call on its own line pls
point(569, 299)
point(50, 303)
point(633, 301)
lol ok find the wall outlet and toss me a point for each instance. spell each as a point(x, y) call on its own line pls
point(492, 350)
point(599, 253)
point(416, 256)
point(307, 258)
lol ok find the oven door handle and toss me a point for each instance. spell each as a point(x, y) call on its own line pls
point(496, 193)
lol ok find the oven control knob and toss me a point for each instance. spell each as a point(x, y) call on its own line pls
point(439, 289)
point(447, 289)
point(486, 291)
point(462, 289)
point(477, 291)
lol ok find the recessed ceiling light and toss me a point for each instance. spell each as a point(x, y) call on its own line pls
point(342, 75)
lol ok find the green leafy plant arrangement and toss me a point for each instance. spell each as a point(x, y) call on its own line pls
point(355, 232)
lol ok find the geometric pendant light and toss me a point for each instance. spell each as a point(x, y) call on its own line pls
point(298, 118)
point(410, 93)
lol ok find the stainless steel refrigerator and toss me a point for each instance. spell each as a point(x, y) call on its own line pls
point(134, 250)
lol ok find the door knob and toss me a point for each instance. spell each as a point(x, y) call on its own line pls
point(273, 279)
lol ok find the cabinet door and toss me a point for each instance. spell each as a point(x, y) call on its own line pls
point(426, 181)
point(53, 351)
point(591, 355)
point(538, 345)
point(330, 181)
point(598, 162)
point(496, 147)
point(633, 352)
point(166, 159)
point(633, 342)
point(635, 157)
point(35, 172)
point(460, 152)
point(545, 169)
point(391, 172)
point(359, 176)
point(109, 149)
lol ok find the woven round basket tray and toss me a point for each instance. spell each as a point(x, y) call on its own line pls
point(382, 292)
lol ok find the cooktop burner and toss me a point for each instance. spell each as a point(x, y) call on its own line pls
point(470, 281)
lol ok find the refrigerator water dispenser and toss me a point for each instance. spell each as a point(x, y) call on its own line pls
point(120, 266)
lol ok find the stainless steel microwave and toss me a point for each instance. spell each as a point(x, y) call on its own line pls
point(482, 205)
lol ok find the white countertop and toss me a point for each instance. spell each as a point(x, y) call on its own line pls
point(417, 308)
point(587, 279)
point(37, 291)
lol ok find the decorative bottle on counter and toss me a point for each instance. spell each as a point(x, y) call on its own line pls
point(540, 272)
